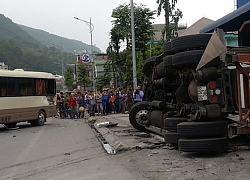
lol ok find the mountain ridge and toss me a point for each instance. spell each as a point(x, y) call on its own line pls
point(11, 32)
point(27, 48)
point(64, 44)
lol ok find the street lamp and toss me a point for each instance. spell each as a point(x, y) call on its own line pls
point(61, 56)
point(91, 28)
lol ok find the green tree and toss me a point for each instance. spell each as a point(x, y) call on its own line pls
point(155, 49)
point(143, 28)
point(83, 76)
point(121, 34)
point(69, 78)
point(172, 17)
point(104, 80)
point(115, 65)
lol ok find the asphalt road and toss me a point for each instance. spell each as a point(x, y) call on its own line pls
point(61, 149)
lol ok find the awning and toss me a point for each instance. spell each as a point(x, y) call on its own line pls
point(231, 22)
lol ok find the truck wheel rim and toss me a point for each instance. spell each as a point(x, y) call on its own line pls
point(142, 117)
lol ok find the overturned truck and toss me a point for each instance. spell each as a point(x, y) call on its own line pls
point(197, 94)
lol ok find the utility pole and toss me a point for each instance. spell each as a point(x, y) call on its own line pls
point(133, 44)
point(61, 57)
point(91, 28)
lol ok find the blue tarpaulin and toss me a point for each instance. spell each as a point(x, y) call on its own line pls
point(241, 2)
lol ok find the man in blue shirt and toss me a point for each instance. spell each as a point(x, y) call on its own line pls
point(138, 94)
point(105, 100)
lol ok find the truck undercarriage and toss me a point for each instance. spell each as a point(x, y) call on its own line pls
point(197, 94)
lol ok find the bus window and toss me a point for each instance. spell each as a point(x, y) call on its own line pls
point(11, 86)
point(3, 87)
point(51, 86)
point(40, 87)
point(25, 86)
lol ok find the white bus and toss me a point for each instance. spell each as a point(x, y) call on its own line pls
point(26, 96)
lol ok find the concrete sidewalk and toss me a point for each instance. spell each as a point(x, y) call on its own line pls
point(123, 136)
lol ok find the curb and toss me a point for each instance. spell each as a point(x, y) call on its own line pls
point(109, 149)
point(114, 142)
point(108, 139)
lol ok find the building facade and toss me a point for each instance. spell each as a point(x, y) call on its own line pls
point(3, 66)
point(94, 65)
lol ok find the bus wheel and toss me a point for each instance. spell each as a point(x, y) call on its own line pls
point(41, 118)
point(10, 125)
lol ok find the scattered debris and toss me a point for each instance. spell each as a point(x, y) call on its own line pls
point(150, 146)
point(92, 121)
point(169, 147)
point(155, 152)
point(106, 124)
point(143, 135)
point(109, 149)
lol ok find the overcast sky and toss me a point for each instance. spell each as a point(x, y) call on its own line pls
point(57, 16)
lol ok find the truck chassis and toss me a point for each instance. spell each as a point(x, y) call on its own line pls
point(197, 94)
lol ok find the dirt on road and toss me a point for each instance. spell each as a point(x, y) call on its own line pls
point(166, 163)
point(155, 160)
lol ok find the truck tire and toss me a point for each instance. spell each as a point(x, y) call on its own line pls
point(167, 61)
point(138, 115)
point(191, 59)
point(170, 124)
point(168, 48)
point(190, 42)
point(202, 129)
point(172, 138)
point(187, 58)
point(160, 70)
point(204, 145)
point(148, 66)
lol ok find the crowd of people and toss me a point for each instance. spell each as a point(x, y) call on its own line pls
point(78, 105)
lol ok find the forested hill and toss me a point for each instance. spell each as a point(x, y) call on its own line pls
point(10, 32)
point(47, 39)
point(22, 50)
